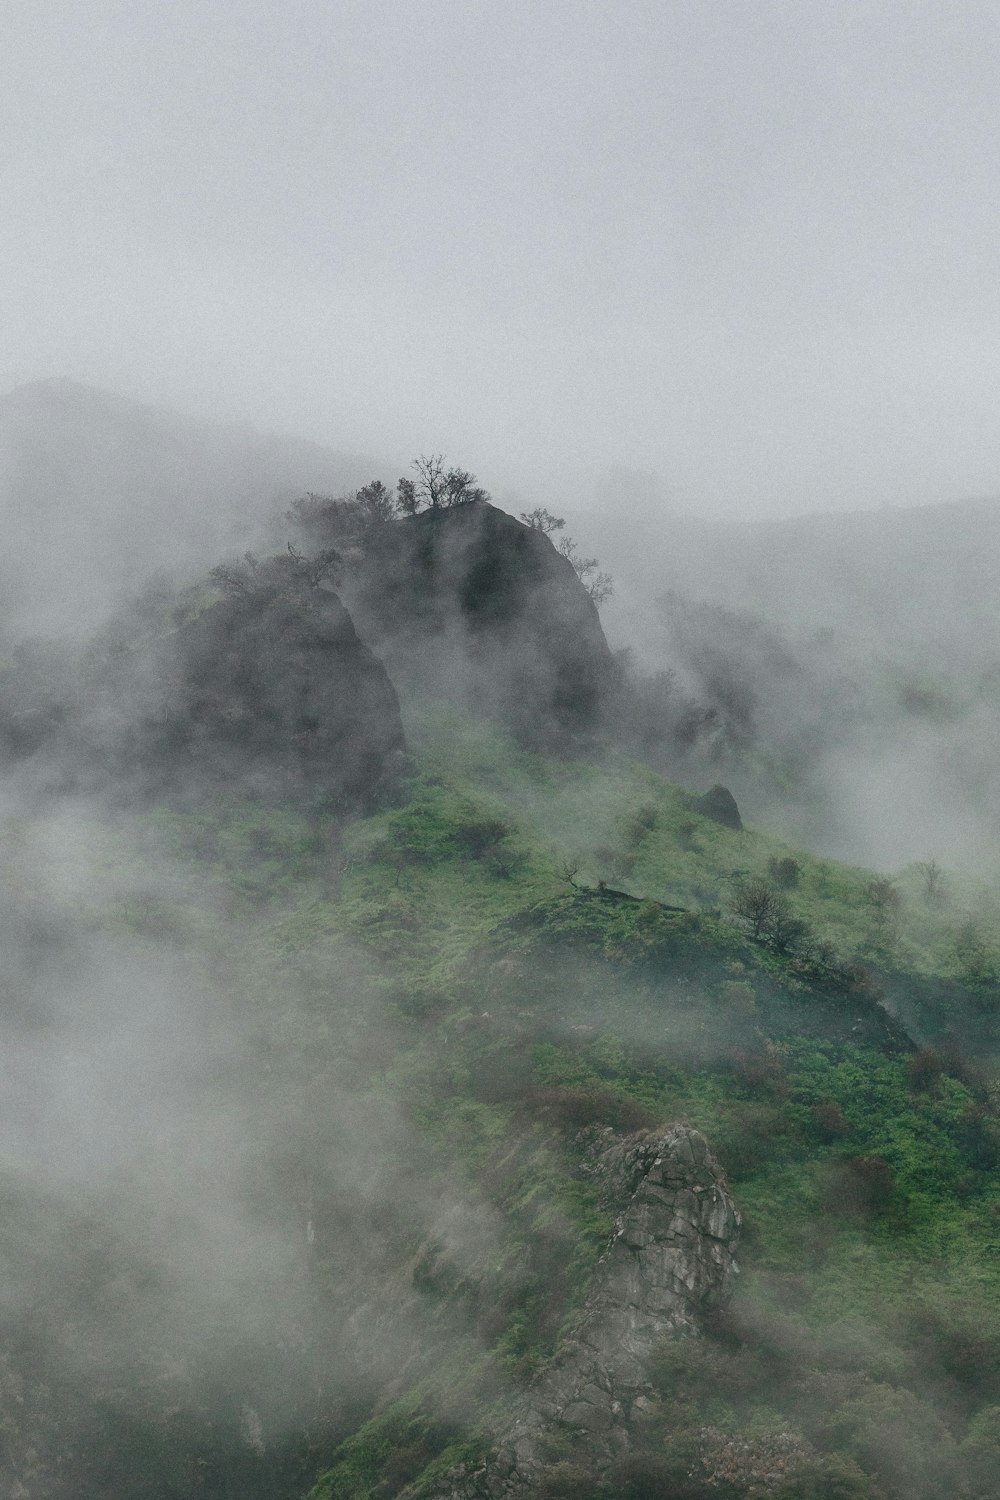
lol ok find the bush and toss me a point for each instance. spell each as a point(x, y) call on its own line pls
point(861, 1185)
point(575, 1107)
point(828, 1121)
point(829, 1476)
point(480, 836)
point(768, 914)
point(751, 1135)
point(784, 873)
point(656, 1477)
point(739, 999)
point(884, 898)
point(923, 1069)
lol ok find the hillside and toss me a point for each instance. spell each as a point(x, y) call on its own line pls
point(919, 581)
point(333, 1133)
point(845, 668)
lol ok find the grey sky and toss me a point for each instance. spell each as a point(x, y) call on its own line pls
point(750, 247)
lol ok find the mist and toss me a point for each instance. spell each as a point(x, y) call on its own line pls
point(300, 1065)
point(747, 249)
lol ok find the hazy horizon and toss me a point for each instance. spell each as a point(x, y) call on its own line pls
point(744, 251)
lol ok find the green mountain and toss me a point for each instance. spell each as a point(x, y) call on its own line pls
point(500, 1123)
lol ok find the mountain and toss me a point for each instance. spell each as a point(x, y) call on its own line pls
point(401, 1105)
point(918, 583)
point(97, 493)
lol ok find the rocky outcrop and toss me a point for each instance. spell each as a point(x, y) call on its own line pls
point(469, 603)
point(671, 1259)
point(276, 692)
point(271, 692)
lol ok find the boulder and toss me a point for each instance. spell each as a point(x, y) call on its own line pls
point(719, 804)
point(277, 693)
point(271, 692)
point(471, 604)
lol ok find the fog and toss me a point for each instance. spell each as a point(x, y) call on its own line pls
point(714, 282)
point(747, 248)
point(207, 1192)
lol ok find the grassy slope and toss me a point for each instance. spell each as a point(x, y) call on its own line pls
point(521, 1010)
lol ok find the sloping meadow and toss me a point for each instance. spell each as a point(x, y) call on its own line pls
point(300, 1109)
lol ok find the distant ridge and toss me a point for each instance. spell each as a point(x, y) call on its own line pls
point(99, 492)
point(917, 581)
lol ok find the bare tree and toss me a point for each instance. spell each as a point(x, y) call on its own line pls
point(542, 520)
point(768, 914)
point(934, 879)
point(438, 488)
point(599, 586)
point(756, 902)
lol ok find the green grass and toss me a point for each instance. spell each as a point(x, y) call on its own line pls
point(454, 961)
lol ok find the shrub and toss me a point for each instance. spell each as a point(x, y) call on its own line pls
point(975, 1135)
point(761, 1069)
point(861, 1185)
point(828, 1120)
point(923, 1068)
point(784, 873)
point(750, 1135)
point(641, 824)
point(768, 915)
point(829, 1476)
point(884, 898)
point(480, 836)
point(576, 1106)
point(740, 999)
point(654, 1477)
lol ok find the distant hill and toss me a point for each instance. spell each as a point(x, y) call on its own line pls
point(911, 581)
point(98, 492)
point(849, 665)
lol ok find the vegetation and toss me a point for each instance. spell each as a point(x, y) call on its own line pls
point(431, 1007)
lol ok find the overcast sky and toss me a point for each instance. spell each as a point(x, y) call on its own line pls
point(749, 248)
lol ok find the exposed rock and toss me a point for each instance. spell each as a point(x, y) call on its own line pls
point(671, 1258)
point(278, 693)
point(272, 692)
point(478, 607)
point(719, 804)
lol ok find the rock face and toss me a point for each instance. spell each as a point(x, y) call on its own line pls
point(277, 692)
point(671, 1258)
point(471, 604)
point(272, 693)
